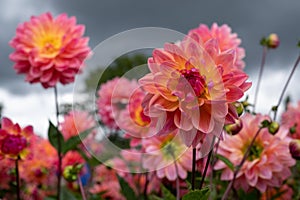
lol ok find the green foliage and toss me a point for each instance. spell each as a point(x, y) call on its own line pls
point(54, 135)
point(197, 194)
point(72, 143)
point(167, 194)
point(226, 161)
point(126, 190)
point(117, 69)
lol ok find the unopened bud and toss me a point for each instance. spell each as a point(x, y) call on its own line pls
point(235, 128)
point(273, 41)
point(239, 107)
point(293, 129)
point(273, 127)
point(71, 171)
point(295, 148)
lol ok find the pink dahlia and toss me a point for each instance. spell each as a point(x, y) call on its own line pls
point(269, 161)
point(291, 119)
point(163, 153)
point(113, 97)
point(76, 122)
point(49, 50)
point(282, 193)
point(188, 91)
point(134, 121)
point(221, 44)
point(106, 183)
point(14, 140)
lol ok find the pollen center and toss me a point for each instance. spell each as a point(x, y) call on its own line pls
point(196, 81)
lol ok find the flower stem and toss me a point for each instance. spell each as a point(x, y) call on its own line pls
point(193, 169)
point(58, 147)
point(265, 49)
point(207, 162)
point(146, 186)
point(205, 169)
point(177, 182)
point(81, 188)
point(238, 168)
point(286, 85)
point(18, 178)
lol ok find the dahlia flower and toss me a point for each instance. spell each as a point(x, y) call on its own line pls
point(166, 152)
point(14, 140)
point(49, 50)
point(282, 193)
point(134, 121)
point(291, 119)
point(106, 183)
point(76, 122)
point(113, 97)
point(221, 43)
point(188, 91)
point(269, 160)
point(39, 170)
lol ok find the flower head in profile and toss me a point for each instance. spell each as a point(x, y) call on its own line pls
point(291, 119)
point(113, 96)
point(49, 50)
point(269, 160)
point(187, 90)
point(221, 44)
point(76, 122)
point(14, 140)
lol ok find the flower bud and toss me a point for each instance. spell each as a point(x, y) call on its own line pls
point(272, 41)
point(71, 171)
point(239, 107)
point(235, 128)
point(273, 127)
point(295, 148)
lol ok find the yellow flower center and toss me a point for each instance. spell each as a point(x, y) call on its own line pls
point(49, 45)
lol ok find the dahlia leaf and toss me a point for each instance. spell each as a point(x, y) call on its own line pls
point(202, 194)
point(72, 143)
point(226, 161)
point(54, 135)
point(126, 190)
point(166, 193)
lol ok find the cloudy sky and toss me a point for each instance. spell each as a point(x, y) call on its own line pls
point(30, 104)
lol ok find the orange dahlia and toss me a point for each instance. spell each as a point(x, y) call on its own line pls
point(49, 50)
point(188, 91)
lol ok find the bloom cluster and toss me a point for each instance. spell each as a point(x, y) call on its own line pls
point(183, 119)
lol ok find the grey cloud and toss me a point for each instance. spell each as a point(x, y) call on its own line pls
point(251, 20)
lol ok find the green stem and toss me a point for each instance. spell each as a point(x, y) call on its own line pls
point(58, 147)
point(285, 86)
point(207, 162)
point(238, 168)
point(265, 49)
point(81, 188)
point(18, 178)
point(193, 169)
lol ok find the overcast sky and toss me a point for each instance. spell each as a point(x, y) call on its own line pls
point(30, 104)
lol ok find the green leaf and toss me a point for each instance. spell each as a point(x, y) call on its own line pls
point(126, 190)
point(154, 197)
point(226, 161)
point(72, 143)
point(66, 194)
point(54, 135)
point(197, 194)
point(166, 193)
